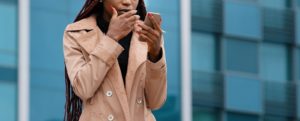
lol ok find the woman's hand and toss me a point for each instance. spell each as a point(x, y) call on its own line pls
point(122, 25)
point(152, 36)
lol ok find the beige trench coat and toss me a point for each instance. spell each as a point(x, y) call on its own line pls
point(94, 72)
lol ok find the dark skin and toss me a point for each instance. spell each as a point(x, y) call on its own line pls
point(152, 36)
point(123, 20)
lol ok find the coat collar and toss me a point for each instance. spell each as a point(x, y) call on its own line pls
point(137, 52)
point(88, 23)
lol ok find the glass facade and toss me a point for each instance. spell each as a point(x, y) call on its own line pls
point(8, 59)
point(241, 117)
point(237, 14)
point(243, 94)
point(243, 57)
point(47, 86)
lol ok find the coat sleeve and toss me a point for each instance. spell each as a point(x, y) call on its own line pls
point(156, 82)
point(85, 76)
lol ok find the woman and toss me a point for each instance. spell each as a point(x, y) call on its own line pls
point(107, 37)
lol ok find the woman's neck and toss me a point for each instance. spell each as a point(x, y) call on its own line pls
point(102, 23)
point(106, 16)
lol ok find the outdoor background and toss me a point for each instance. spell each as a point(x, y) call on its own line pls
point(245, 59)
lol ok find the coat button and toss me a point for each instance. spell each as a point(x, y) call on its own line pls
point(139, 101)
point(109, 93)
point(110, 117)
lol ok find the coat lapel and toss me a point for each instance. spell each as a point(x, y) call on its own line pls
point(137, 55)
point(88, 38)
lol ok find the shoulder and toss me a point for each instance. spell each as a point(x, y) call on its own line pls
point(83, 24)
point(81, 27)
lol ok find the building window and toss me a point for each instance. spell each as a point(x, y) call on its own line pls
point(279, 4)
point(241, 55)
point(241, 117)
point(207, 15)
point(202, 114)
point(274, 61)
point(243, 20)
point(243, 94)
point(298, 63)
point(203, 52)
point(274, 70)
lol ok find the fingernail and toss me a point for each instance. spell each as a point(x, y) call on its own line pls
point(150, 14)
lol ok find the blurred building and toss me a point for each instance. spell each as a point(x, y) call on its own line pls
point(244, 59)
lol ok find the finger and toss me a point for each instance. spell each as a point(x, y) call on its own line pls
point(145, 38)
point(149, 35)
point(128, 14)
point(155, 23)
point(130, 24)
point(115, 13)
point(149, 29)
point(144, 26)
point(137, 28)
point(141, 38)
point(133, 18)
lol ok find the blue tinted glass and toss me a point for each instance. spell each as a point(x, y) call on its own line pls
point(8, 34)
point(47, 93)
point(276, 118)
point(275, 3)
point(275, 19)
point(243, 94)
point(298, 27)
point(298, 98)
point(8, 60)
point(274, 62)
point(298, 60)
point(203, 8)
point(46, 103)
point(241, 56)
point(279, 95)
point(242, 19)
point(206, 15)
point(49, 49)
point(203, 52)
point(8, 94)
point(202, 115)
point(8, 74)
point(241, 117)
point(58, 6)
point(206, 83)
point(279, 25)
point(75, 7)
